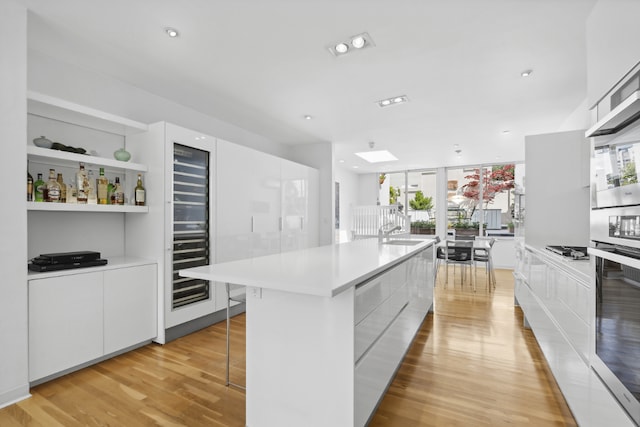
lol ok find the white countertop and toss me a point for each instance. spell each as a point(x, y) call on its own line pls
point(580, 268)
point(322, 271)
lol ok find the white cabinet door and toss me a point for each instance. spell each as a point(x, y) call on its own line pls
point(248, 203)
point(130, 315)
point(65, 322)
point(299, 227)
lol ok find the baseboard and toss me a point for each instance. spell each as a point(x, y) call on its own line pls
point(200, 323)
point(14, 396)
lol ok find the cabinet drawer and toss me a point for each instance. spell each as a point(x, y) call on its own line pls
point(369, 329)
point(371, 294)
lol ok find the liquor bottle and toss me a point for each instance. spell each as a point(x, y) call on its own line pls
point(82, 182)
point(53, 188)
point(118, 194)
point(90, 190)
point(102, 183)
point(63, 189)
point(38, 189)
point(139, 192)
point(111, 198)
point(29, 187)
point(72, 194)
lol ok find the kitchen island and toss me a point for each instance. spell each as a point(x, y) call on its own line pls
point(327, 327)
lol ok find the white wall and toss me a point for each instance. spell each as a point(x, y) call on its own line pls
point(348, 200)
point(320, 156)
point(13, 221)
point(612, 44)
point(52, 77)
point(579, 119)
point(368, 189)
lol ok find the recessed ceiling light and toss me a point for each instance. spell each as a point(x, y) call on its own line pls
point(340, 161)
point(377, 156)
point(172, 32)
point(341, 48)
point(356, 167)
point(506, 131)
point(308, 117)
point(526, 73)
point(358, 42)
point(393, 100)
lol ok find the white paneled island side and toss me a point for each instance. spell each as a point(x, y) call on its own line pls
point(327, 327)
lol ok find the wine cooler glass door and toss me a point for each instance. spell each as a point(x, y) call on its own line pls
point(190, 223)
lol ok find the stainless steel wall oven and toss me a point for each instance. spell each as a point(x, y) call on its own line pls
point(617, 323)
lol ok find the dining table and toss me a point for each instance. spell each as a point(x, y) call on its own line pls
point(482, 244)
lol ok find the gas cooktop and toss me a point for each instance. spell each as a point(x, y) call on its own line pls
point(573, 252)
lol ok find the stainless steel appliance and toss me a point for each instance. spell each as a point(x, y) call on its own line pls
point(617, 144)
point(615, 178)
point(617, 323)
point(615, 236)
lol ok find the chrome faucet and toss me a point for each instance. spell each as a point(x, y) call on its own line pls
point(384, 232)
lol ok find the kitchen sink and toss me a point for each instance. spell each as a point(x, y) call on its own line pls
point(402, 242)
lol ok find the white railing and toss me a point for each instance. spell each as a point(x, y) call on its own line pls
point(368, 220)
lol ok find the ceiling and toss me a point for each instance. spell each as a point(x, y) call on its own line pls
point(264, 64)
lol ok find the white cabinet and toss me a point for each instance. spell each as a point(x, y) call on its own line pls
point(558, 203)
point(554, 298)
point(130, 296)
point(389, 310)
point(153, 237)
point(265, 205)
point(76, 317)
point(79, 315)
point(299, 206)
point(248, 209)
point(65, 323)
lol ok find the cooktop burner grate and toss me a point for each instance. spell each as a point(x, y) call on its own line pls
point(574, 252)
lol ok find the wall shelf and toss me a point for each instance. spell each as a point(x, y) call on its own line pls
point(58, 109)
point(65, 158)
point(75, 207)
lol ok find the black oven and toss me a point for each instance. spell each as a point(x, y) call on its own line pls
point(617, 322)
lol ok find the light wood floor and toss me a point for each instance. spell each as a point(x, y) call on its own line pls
point(472, 364)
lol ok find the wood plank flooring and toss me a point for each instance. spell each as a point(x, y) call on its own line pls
point(472, 364)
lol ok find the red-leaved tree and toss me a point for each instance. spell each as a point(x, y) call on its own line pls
point(494, 181)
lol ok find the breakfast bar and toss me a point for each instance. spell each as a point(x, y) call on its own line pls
point(327, 327)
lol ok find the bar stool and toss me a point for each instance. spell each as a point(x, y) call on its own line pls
point(240, 298)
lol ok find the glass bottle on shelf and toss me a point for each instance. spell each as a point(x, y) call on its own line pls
point(139, 192)
point(90, 190)
point(38, 189)
point(29, 187)
point(118, 194)
point(102, 184)
point(111, 198)
point(82, 183)
point(72, 194)
point(63, 189)
point(53, 188)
